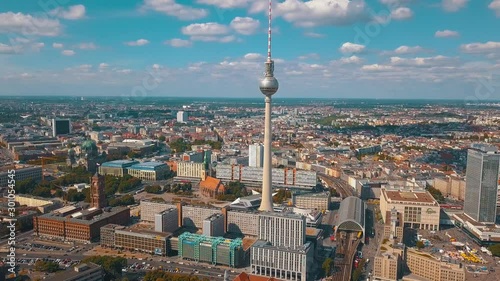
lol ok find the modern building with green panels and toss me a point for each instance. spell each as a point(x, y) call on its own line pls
point(214, 250)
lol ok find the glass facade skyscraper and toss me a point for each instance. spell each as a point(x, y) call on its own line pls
point(481, 191)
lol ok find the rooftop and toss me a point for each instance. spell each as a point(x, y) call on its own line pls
point(147, 166)
point(56, 216)
point(119, 163)
point(415, 196)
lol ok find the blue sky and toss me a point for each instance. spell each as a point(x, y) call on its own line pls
point(322, 48)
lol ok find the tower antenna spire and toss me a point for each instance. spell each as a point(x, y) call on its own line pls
point(269, 32)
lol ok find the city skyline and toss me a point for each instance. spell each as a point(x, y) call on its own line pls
point(363, 50)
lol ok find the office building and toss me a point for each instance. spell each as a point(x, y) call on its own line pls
point(426, 266)
point(149, 171)
point(481, 190)
point(142, 240)
point(280, 262)
point(312, 201)
point(182, 117)
point(214, 225)
point(117, 168)
point(256, 155)
point(191, 170)
point(193, 216)
point(76, 225)
point(214, 250)
point(61, 127)
point(150, 208)
point(242, 222)
point(280, 176)
point(167, 221)
point(22, 172)
point(282, 229)
point(420, 210)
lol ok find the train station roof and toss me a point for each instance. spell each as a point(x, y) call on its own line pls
point(351, 215)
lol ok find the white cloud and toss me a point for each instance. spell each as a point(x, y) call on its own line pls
point(85, 67)
point(402, 13)
point(57, 45)
point(87, 46)
point(103, 66)
point(405, 50)
point(376, 67)
point(171, 8)
point(7, 49)
point(314, 35)
point(226, 4)
point(139, 42)
point(68, 53)
point(424, 61)
point(253, 57)
point(351, 60)
point(495, 6)
point(446, 33)
point(481, 48)
point(348, 48)
point(245, 26)
point(221, 39)
point(313, 56)
point(75, 12)
point(454, 5)
point(321, 12)
point(124, 71)
point(28, 25)
point(208, 32)
point(205, 29)
point(178, 43)
point(37, 46)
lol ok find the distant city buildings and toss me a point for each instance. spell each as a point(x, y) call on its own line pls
point(280, 176)
point(483, 163)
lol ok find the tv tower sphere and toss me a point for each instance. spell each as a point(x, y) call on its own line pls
point(269, 84)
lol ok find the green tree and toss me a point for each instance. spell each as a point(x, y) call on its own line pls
point(42, 191)
point(122, 201)
point(155, 189)
point(420, 245)
point(327, 266)
point(179, 145)
point(46, 266)
point(495, 250)
point(436, 194)
point(112, 266)
point(25, 186)
point(162, 138)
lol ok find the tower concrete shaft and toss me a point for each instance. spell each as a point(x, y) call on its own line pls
point(267, 197)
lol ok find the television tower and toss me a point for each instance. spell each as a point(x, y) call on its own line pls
point(268, 86)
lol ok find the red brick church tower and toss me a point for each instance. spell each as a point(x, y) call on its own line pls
point(98, 198)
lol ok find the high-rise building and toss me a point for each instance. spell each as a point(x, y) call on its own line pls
point(482, 183)
point(61, 127)
point(283, 229)
point(98, 198)
point(256, 155)
point(182, 116)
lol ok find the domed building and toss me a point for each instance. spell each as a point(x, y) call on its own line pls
point(90, 156)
